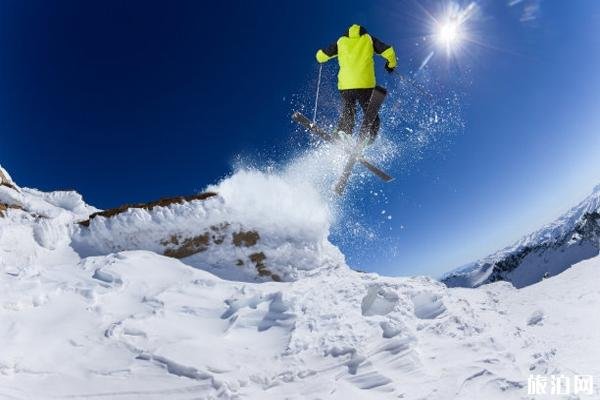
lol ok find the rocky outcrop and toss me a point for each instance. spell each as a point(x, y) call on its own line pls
point(251, 227)
point(203, 231)
point(9, 200)
point(5, 180)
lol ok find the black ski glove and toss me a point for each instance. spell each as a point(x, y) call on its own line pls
point(388, 68)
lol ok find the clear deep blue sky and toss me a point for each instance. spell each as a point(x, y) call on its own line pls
point(131, 101)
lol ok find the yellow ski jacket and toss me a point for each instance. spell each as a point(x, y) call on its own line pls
point(355, 52)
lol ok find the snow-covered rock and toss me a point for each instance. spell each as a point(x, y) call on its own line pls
point(7, 197)
point(6, 180)
point(251, 226)
point(573, 237)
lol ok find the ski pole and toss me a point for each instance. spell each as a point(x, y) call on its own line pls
point(317, 95)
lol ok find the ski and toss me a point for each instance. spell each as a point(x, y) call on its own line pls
point(311, 127)
point(326, 137)
point(375, 102)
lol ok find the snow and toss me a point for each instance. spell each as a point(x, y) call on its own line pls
point(264, 193)
point(132, 323)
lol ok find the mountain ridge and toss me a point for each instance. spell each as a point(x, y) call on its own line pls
point(573, 237)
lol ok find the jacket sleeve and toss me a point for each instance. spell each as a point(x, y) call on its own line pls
point(326, 54)
point(386, 51)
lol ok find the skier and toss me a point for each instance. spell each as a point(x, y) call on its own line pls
point(356, 79)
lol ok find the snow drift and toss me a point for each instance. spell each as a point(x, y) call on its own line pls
point(131, 324)
point(572, 238)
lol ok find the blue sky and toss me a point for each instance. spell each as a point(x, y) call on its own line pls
point(189, 86)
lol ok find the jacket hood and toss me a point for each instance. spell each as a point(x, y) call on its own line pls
point(355, 31)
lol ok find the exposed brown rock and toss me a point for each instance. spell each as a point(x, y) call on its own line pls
point(8, 185)
point(173, 239)
point(4, 207)
point(259, 262)
point(189, 247)
point(258, 258)
point(179, 247)
point(148, 206)
point(218, 234)
point(246, 239)
point(4, 181)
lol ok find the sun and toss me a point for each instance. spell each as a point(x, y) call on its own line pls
point(451, 29)
point(449, 34)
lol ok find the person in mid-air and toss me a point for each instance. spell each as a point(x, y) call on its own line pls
point(356, 79)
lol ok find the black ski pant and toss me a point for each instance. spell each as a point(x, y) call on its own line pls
point(348, 115)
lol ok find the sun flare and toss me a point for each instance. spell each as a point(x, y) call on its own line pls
point(451, 29)
point(449, 33)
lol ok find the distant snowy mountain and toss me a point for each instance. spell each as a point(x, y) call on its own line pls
point(131, 303)
point(573, 237)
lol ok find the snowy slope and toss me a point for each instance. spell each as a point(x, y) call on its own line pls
point(139, 325)
point(573, 237)
point(135, 324)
